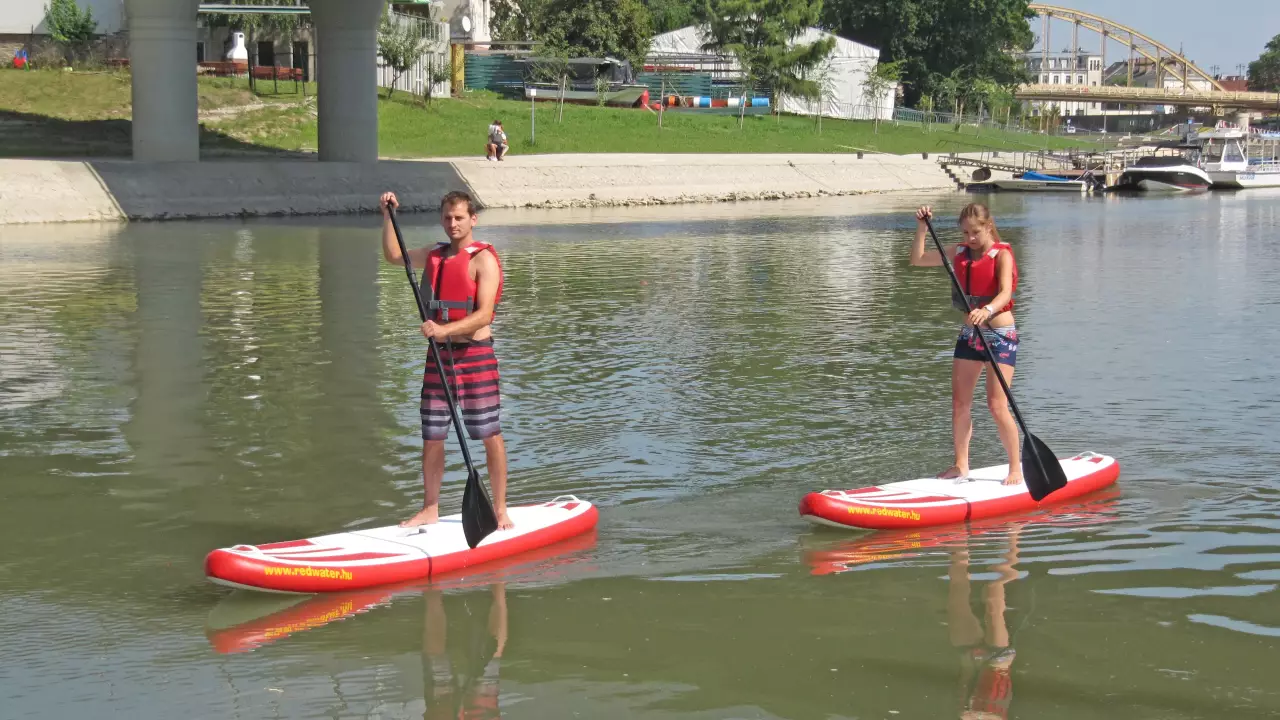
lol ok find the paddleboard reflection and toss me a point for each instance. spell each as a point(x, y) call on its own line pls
point(989, 599)
point(247, 620)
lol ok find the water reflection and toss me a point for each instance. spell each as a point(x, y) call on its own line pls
point(245, 621)
point(164, 429)
point(462, 653)
point(989, 597)
point(893, 548)
point(980, 633)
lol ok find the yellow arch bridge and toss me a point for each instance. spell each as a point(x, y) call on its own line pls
point(1178, 80)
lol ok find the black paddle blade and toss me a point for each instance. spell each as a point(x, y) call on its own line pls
point(1041, 469)
point(478, 517)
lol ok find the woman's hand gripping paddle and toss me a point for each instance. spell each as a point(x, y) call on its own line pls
point(1044, 473)
point(478, 517)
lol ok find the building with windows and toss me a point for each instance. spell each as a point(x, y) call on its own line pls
point(1067, 68)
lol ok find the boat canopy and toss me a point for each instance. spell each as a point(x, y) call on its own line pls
point(582, 72)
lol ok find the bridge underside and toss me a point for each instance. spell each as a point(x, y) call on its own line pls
point(162, 38)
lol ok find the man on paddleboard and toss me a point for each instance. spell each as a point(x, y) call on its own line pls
point(985, 267)
point(466, 281)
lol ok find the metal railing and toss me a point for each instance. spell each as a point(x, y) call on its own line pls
point(1149, 96)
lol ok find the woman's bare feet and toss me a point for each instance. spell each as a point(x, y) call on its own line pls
point(504, 521)
point(1015, 478)
point(955, 472)
point(428, 516)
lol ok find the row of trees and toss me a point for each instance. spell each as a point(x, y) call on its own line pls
point(577, 28)
point(1264, 73)
point(948, 49)
point(947, 53)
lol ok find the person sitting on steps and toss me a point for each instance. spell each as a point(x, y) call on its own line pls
point(497, 145)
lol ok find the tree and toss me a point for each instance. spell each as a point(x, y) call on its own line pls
point(671, 15)
point(1264, 73)
point(275, 24)
point(933, 38)
point(437, 71)
point(577, 28)
point(878, 81)
point(1051, 119)
point(985, 93)
point(513, 19)
point(552, 66)
point(947, 89)
point(593, 28)
point(761, 35)
point(401, 42)
point(69, 26)
point(824, 75)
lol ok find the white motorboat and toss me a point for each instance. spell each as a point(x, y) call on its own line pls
point(1229, 163)
point(1023, 185)
point(1030, 181)
point(1163, 173)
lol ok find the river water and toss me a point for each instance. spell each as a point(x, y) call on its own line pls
point(167, 389)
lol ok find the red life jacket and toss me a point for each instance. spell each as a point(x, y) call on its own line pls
point(979, 278)
point(452, 287)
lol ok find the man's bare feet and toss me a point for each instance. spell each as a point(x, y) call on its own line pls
point(504, 520)
point(428, 516)
point(954, 472)
point(1015, 478)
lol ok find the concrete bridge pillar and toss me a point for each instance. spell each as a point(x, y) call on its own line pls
point(347, 71)
point(162, 57)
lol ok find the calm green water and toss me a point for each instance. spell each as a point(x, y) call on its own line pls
point(166, 389)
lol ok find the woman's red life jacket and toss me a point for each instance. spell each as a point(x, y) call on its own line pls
point(452, 287)
point(979, 278)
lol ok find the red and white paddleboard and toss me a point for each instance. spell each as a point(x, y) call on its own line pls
point(891, 545)
point(241, 623)
point(392, 554)
point(933, 501)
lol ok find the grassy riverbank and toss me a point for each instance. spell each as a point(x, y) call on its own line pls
point(60, 114)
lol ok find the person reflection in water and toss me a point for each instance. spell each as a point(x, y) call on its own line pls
point(986, 650)
point(463, 684)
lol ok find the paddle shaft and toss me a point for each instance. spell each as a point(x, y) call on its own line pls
point(431, 344)
point(985, 347)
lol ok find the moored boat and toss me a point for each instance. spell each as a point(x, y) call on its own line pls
point(586, 81)
point(1163, 173)
point(1230, 164)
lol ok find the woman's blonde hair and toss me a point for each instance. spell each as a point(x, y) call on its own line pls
point(979, 212)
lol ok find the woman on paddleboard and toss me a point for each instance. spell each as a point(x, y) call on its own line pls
point(986, 269)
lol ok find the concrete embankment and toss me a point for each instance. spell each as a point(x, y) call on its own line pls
point(96, 190)
point(647, 179)
point(33, 191)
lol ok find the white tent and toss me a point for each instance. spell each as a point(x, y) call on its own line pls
point(846, 69)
